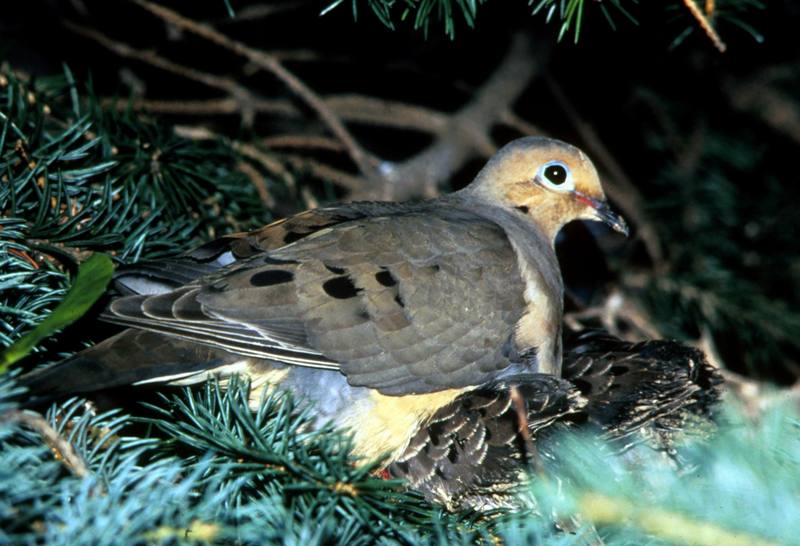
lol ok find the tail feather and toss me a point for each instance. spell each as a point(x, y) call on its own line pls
point(131, 357)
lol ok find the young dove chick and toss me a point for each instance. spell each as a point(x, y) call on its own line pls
point(378, 313)
point(636, 396)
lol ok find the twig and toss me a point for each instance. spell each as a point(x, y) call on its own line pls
point(251, 152)
point(619, 186)
point(326, 172)
point(531, 454)
point(261, 11)
point(466, 133)
point(459, 137)
point(224, 106)
point(386, 113)
point(303, 141)
point(366, 163)
point(520, 125)
point(258, 182)
point(705, 24)
point(273, 164)
point(62, 449)
point(243, 97)
point(616, 309)
point(351, 108)
point(774, 109)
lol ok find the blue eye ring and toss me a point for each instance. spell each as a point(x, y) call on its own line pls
point(556, 175)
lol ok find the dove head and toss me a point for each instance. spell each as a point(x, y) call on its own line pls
point(549, 181)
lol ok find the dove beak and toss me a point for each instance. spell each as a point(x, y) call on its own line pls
point(604, 213)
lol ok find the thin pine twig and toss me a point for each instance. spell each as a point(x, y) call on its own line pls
point(703, 20)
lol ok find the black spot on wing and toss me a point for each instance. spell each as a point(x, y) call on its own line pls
point(271, 277)
point(333, 269)
point(523, 209)
point(341, 288)
point(276, 261)
point(399, 301)
point(385, 278)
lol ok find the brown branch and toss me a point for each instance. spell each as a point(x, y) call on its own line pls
point(351, 107)
point(616, 310)
point(224, 106)
point(619, 185)
point(62, 449)
point(774, 108)
point(274, 165)
point(466, 132)
point(243, 97)
point(258, 182)
point(459, 137)
point(322, 171)
point(522, 126)
point(386, 113)
point(268, 162)
point(303, 141)
point(261, 11)
point(705, 24)
point(365, 162)
point(530, 453)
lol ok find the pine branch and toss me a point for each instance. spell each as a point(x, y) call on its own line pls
point(78, 178)
point(725, 497)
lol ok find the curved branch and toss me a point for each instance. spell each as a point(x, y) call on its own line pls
point(466, 133)
point(365, 161)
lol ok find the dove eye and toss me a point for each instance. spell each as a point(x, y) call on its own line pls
point(555, 175)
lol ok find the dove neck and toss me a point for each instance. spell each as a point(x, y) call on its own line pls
point(545, 221)
point(533, 243)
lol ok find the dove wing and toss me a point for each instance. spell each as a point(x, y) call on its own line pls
point(408, 303)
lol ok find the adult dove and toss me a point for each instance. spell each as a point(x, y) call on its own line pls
point(379, 313)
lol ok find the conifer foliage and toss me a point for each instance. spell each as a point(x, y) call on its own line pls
point(79, 175)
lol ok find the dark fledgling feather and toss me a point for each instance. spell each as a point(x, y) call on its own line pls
point(470, 454)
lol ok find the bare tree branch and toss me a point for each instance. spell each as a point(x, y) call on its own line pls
point(466, 132)
point(775, 109)
point(386, 113)
point(366, 162)
point(62, 449)
point(241, 96)
point(459, 137)
point(350, 107)
point(619, 186)
point(209, 107)
point(705, 24)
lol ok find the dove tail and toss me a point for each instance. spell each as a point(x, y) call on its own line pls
point(131, 357)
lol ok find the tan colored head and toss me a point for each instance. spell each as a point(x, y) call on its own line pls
point(547, 180)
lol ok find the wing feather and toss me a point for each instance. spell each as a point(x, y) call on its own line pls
point(404, 303)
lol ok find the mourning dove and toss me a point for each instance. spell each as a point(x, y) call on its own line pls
point(378, 313)
point(470, 454)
